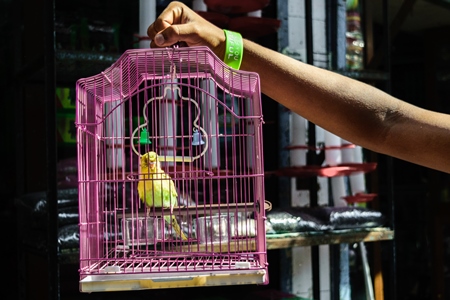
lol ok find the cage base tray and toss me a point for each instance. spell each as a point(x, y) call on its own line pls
point(129, 282)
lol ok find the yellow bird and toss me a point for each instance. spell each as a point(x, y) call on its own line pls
point(157, 189)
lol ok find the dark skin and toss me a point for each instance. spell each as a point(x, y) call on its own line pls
point(355, 111)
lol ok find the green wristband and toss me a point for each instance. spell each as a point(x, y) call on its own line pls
point(234, 49)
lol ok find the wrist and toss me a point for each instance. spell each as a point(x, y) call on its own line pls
point(219, 49)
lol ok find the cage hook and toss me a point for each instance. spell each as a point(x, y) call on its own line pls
point(171, 55)
point(173, 71)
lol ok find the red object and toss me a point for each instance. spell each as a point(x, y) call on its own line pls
point(359, 198)
point(218, 19)
point(361, 167)
point(326, 171)
point(253, 27)
point(236, 6)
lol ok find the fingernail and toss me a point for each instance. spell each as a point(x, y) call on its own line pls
point(159, 39)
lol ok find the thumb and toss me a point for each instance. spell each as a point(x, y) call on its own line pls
point(159, 40)
point(167, 37)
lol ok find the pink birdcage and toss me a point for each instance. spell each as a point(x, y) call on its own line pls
point(203, 120)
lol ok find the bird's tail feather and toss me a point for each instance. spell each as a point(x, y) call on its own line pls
point(174, 223)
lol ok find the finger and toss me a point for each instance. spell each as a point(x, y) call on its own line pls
point(171, 15)
point(158, 26)
point(153, 44)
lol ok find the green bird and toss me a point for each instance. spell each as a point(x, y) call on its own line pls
point(157, 189)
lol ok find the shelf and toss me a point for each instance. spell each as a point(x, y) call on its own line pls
point(275, 241)
point(282, 241)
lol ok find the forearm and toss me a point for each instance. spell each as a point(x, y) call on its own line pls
point(353, 110)
point(327, 99)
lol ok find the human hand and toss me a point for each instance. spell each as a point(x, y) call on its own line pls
point(178, 23)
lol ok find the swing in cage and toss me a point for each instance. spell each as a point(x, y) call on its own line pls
point(171, 181)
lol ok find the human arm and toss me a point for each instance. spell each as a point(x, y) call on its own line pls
point(349, 108)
